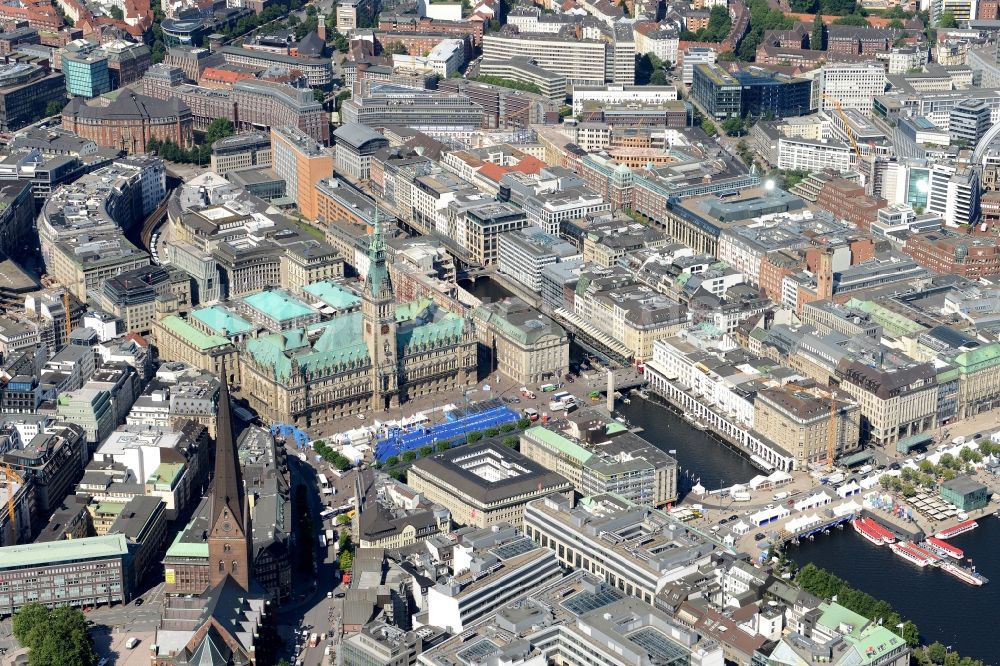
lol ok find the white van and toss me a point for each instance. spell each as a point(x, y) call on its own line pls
point(777, 497)
point(132, 642)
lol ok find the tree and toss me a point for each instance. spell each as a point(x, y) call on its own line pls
point(219, 128)
point(659, 78)
point(116, 13)
point(947, 20)
point(409, 456)
point(54, 637)
point(340, 42)
point(524, 423)
point(391, 461)
point(342, 519)
point(896, 24)
point(853, 19)
point(319, 95)
point(473, 437)
point(394, 48)
point(511, 442)
point(733, 126)
point(816, 37)
point(936, 652)
point(54, 107)
point(426, 451)
point(346, 560)
point(708, 127)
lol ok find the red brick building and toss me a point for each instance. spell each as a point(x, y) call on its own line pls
point(407, 23)
point(848, 200)
point(958, 254)
point(130, 121)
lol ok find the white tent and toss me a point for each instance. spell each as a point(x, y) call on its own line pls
point(796, 525)
point(740, 527)
point(758, 481)
point(779, 477)
point(848, 489)
point(698, 489)
point(846, 508)
point(765, 516)
point(813, 501)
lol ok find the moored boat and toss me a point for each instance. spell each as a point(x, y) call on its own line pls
point(944, 548)
point(961, 528)
point(969, 576)
point(906, 550)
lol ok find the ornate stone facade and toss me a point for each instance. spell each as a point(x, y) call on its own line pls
point(323, 373)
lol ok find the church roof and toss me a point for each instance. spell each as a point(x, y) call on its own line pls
point(212, 651)
point(227, 486)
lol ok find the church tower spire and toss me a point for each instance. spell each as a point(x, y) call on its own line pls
point(229, 548)
point(378, 312)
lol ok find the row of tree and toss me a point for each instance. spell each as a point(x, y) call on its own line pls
point(509, 83)
point(824, 584)
point(335, 458)
point(54, 636)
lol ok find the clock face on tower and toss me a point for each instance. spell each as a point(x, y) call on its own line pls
point(385, 329)
point(227, 527)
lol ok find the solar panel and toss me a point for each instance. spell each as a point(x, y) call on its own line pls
point(515, 548)
point(585, 601)
point(662, 651)
point(478, 652)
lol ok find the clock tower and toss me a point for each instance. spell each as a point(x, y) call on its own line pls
point(378, 314)
point(229, 549)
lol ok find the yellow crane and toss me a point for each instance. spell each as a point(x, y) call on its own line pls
point(831, 431)
point(68, 318)
point(843, 116)
point(11, 476)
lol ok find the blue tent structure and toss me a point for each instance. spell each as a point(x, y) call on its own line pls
point(459, 422)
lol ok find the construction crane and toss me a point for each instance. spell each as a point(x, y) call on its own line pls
point(11, 476)
point(831, 431)
point(68, 319)
point(843, 116)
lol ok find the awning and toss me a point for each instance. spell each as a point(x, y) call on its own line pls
point(907, 444)
point(859, 458)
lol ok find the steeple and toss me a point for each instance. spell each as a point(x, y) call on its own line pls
point(227, 488)
point(378, 310)
point(229, 527)
point(377, 282)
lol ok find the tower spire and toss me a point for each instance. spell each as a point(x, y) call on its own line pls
point(230, 529)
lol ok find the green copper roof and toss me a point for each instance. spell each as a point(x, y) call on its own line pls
point(68, 550)
point(324, 346)
point(185, 549)
point(333, 295)
point(449, 327)
point(166, 474)
point(410, 311)
point(980, 358)
point(565, 446)
point(279, 305)
point(190, 334)
point(221, 321)
point(889, 320)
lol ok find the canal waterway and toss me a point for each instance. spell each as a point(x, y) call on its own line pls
point(486, 289)
point(944, 608)
point(699, 455)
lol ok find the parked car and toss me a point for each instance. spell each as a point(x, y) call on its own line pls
point(759, 536)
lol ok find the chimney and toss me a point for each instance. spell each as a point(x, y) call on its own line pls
point(321, 26)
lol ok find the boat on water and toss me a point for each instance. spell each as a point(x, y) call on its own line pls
point(882, 531)
point(965, 575)
point(861, 526)
point(961, 528)
point(911, 553)
point(944, 548)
